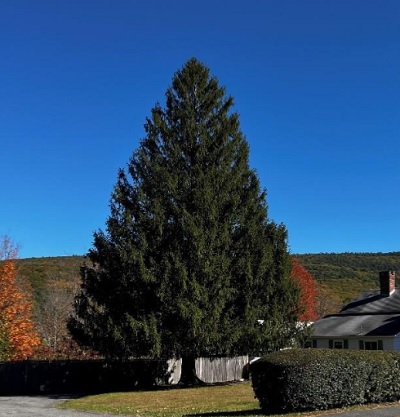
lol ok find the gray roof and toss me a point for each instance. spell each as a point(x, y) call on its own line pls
point(372, 302)
point(370, 314)
point(357, 325)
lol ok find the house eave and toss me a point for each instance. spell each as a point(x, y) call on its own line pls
point(355, 337)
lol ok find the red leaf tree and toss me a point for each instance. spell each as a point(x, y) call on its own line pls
point(308, 291)
point(18, 336)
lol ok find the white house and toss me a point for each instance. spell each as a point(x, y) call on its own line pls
point(370, 322)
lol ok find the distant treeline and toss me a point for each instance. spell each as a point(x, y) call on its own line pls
point(323, 266)
point(361, 266)
point(343, 274)
point(40, 273)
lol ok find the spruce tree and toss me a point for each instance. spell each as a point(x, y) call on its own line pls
point(189, 264)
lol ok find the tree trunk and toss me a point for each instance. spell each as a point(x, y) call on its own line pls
point(188, 372)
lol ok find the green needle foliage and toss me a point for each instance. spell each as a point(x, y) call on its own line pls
point(189, 261)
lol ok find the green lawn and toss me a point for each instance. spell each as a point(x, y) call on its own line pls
point(231, 399)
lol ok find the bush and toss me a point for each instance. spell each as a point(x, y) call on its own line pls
point(319, 379)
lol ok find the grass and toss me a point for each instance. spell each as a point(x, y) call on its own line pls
point(232, 399)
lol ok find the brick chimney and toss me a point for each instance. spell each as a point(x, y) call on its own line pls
point(387, 281)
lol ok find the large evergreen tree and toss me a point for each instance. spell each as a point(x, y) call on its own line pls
point(189, 264)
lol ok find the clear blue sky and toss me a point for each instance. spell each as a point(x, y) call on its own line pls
point(316, 85)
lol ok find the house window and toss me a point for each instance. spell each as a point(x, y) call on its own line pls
point(310, 343)
point(338, 344)
point(371, 345)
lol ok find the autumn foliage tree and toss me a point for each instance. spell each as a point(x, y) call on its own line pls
point(308, 291)
point(18, 336)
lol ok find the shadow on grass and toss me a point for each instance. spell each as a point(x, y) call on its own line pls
point(254, 412)
point(74, 396)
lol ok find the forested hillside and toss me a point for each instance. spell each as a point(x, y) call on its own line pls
point(346, 274)
point(338, 270)
point(42, 272)
point(54, 282)
point(362, 266)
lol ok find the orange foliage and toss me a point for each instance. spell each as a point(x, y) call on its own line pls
point(308, 291)
point(15, 316)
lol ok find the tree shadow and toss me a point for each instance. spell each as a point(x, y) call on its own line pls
point(73, 396)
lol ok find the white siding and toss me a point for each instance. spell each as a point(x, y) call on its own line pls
point(396, 343)
point(354, 344)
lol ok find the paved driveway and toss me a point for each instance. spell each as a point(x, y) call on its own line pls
point(392, 411)
point(38, 407)
point(44, 407)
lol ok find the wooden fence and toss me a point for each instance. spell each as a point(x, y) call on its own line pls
point(66, 377)
point(211, 370)
point(222, 369)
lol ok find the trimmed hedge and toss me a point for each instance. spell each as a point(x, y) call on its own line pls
point(319, 379)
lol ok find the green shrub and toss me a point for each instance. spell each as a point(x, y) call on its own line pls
point(318, 379)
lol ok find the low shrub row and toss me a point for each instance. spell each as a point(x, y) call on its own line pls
point(319, 379)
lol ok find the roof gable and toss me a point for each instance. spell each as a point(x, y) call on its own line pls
point(372, 302)
point(370, 314)
point(338, 325)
